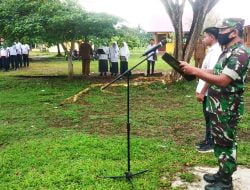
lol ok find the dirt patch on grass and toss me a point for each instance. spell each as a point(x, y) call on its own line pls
point(244, 134)
point(57, 122)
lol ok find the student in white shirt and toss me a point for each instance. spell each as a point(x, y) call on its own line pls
point(19, 54)
point(210, 60)
point(114, 56)
point(3, 54)
point(124, 55)
point(25, 51)
point(152, 57)
point(103, 59)
point(13, 56)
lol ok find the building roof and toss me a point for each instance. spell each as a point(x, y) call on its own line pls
point(162, 23)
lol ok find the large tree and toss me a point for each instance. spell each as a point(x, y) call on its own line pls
point(19, 20)
point(52, 22)
point(175, 10)
point(135, 37)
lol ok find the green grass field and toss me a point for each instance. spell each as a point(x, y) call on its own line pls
point(48, 145)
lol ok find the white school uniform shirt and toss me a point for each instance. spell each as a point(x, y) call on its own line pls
point(3, 52)
point(150, 55)
point(209, 62)
point(8, 51)
point(124, 51)
point(13, 50)
point(104, 56)
point(114, 54)
point(25, 49)
point(19, 48)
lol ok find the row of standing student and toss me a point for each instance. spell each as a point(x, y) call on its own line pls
point(113, 55)
point(14, 57)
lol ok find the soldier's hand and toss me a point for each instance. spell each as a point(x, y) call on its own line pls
point(187, 68)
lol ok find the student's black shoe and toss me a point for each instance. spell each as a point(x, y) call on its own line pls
point(205, 148)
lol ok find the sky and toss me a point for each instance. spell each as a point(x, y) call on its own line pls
point(142, 12)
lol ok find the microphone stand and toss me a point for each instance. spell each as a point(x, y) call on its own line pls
point(128, 175)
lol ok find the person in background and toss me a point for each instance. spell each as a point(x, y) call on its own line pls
point(124, 55)
point(25, 51)
point(103, 53)
point(199, 52)
point(209, 39)
point(113, 56)
point(225, 100)
point(5, 64)
point(13, 56)
point(8, 57)
point(19, 54)
point(86, 52)
point(152, 57)
point(1, 62)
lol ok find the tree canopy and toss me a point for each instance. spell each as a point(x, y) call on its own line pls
point(52, 21)
point(16, 22)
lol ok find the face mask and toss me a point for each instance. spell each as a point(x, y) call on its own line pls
point(224, 39)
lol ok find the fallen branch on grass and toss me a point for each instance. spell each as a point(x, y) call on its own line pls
point(75, 98)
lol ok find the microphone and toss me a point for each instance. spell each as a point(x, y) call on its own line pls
point(154, 48)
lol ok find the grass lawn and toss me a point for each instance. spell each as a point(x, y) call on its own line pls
point(46, 145)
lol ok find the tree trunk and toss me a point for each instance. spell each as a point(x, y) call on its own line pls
point(58, 50)
point(175, 12)
point(70, 65)
point(70, 68)
point(200, 10)
point(196, 31)
point(175, 9)
point(178, 50)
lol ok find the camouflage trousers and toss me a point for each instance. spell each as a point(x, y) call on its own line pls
point(225, 145)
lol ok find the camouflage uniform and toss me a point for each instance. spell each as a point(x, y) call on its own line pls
point(225, 105)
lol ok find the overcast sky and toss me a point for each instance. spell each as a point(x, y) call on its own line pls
point(138, 12)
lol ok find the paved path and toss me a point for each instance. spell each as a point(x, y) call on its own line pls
point(241, 179)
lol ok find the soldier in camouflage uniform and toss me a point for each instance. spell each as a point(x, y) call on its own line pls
point(225, 100)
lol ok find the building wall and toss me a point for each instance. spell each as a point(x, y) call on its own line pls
point(169, 47)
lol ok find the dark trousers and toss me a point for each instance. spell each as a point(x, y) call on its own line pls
point(123, 66)
point(1, 64)
point(208, 136)
point(8, 62)
point(148, 67)
point(13, 61)
point(26, 60)
point(85, 66)
point(103, 66)
point(19, 60)
point(114, 68)
point(5, 63)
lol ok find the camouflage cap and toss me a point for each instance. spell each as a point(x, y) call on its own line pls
point(233, 23)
